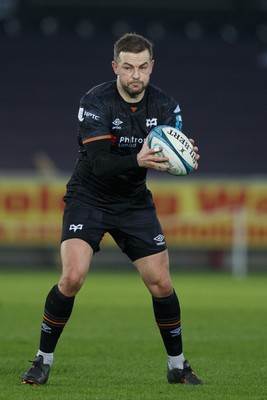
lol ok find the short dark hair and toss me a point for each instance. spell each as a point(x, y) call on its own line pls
point(132, 43)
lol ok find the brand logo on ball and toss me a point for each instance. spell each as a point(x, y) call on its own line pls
point(176, 146)
point(181, 137)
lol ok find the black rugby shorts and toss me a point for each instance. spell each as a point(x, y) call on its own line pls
point(137, 232)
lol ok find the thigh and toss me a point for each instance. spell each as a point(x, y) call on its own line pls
point(76, 256)
point(154, 270)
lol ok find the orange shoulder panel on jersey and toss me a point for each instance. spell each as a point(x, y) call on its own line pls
point(97, 138)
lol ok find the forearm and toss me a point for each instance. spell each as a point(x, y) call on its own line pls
point(105, 163)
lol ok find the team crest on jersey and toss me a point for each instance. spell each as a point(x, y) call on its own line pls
point(151, 122)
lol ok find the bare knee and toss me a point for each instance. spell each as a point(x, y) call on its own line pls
point(161, 287)
point(76, 256)
point(71, 282)
point(154, 271)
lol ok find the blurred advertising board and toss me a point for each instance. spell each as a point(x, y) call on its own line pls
point(195, 213)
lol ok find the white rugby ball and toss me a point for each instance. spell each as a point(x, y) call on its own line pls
point(176, 146)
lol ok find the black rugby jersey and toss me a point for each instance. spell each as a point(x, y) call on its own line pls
point(104, 114)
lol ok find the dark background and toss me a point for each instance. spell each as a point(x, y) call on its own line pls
point(210, 55)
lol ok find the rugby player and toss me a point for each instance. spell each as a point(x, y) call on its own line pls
point(107, 192)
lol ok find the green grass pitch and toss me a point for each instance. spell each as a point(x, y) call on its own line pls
point(111, 348)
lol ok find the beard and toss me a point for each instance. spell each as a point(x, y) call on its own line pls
point(134, 91)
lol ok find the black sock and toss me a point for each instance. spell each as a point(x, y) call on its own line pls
point(168, 318)
point(57, 311)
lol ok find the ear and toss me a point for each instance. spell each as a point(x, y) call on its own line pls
point(152, 65)
point(115, 67)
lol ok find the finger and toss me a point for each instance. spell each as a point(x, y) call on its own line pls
point(160, 159)
point(157, 149)
point(161, 166)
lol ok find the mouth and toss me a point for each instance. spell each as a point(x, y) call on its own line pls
point(134, 88)
point(136, 84)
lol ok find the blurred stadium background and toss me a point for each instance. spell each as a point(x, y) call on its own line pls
point(210, 55)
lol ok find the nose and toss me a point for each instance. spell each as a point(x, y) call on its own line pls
point(136, 74)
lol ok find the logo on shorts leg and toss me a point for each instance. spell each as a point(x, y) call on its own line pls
point(75, 227)
point(160, 240)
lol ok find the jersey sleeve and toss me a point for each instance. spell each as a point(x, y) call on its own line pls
point(105, 163)
point(173, 116)
point(95, 139)
point(93, 121)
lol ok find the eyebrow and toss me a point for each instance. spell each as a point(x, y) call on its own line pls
point(126, 63)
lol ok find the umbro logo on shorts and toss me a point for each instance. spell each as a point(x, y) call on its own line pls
point(160, 240)
point(75, 227)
